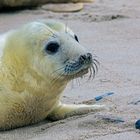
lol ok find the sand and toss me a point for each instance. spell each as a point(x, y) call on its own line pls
point(111, 30)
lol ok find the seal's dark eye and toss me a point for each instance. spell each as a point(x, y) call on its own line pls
point(76, 38)
point(52, 47)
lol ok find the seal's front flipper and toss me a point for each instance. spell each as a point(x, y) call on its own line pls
point(63, 111)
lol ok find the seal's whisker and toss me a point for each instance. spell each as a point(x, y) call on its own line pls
point(90, 73)
point(95, 67)
point(58, 69)
point(78, 81)
point(93, 71)
point(95, 60)
point(58, 77)
point(55, 80)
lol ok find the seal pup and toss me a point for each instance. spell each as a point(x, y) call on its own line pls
point(36, 63)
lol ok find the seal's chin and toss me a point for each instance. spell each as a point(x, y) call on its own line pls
point(81, 72)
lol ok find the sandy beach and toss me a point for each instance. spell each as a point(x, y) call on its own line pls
point(110, 29)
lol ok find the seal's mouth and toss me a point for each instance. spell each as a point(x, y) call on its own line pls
point(73, 68)
point(82, 66)
point(72, 74)
point(81, 73)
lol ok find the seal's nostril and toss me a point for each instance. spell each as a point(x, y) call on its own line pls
point(82, 58)
point(89, 56)
point(85, 58)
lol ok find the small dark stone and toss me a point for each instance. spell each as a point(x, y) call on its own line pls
point(137, 124)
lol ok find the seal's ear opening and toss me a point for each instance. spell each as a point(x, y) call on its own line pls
point(76, 38)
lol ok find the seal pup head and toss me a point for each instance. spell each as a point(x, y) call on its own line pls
point(64, 57)
point(75, 60)
point(52, 50)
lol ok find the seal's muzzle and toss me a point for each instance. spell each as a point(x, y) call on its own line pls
point(81, 64)
point(86, 58)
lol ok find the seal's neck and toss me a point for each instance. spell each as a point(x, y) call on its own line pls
point(43, 85)
point(27, 79)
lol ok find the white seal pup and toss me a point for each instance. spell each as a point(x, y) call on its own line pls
point(36, 63)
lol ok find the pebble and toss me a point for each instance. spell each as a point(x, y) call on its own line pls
point(137, 124)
